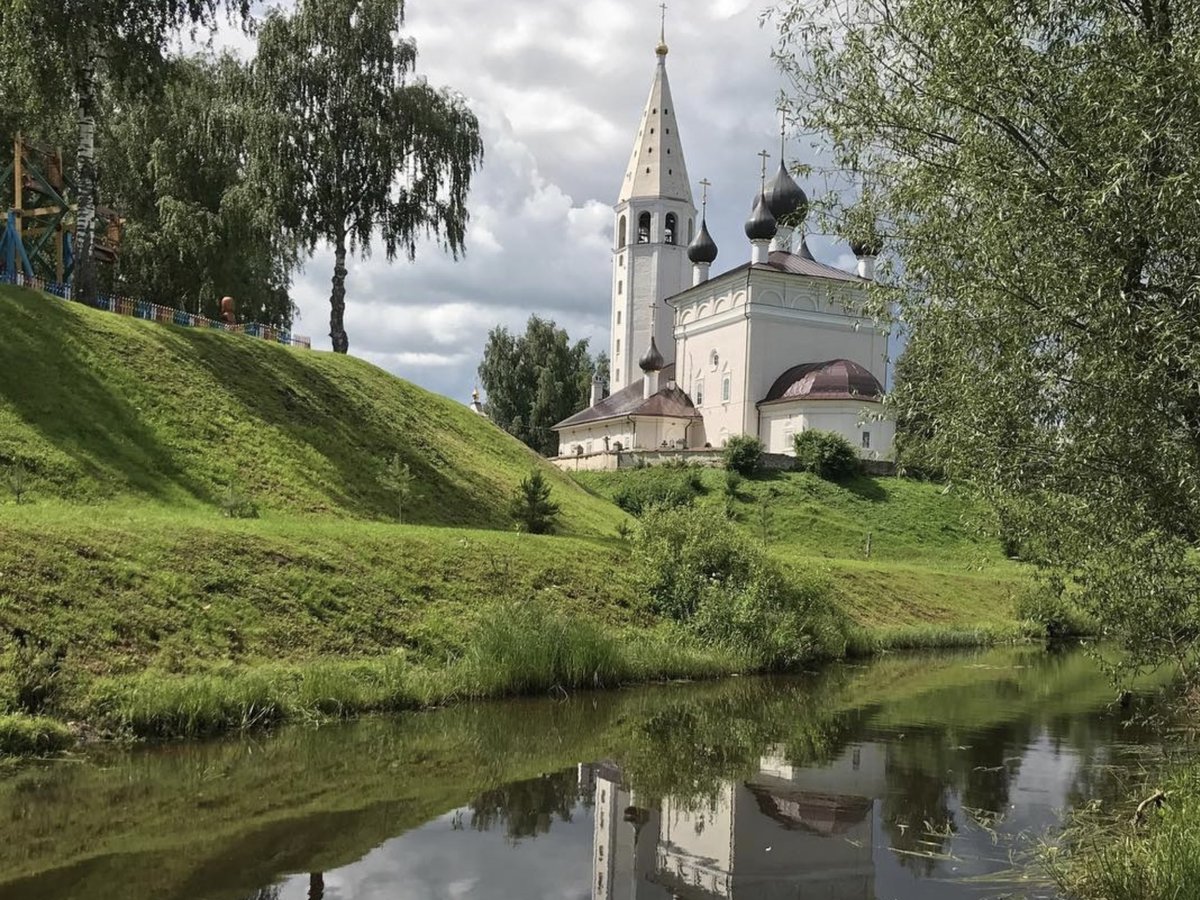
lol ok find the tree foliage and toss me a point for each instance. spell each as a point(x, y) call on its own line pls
point(199, 225)
point(532, 507)
point(1035, 167)
point(353, 144)
point(743, 454)
point(58, 48)
point(535, 380)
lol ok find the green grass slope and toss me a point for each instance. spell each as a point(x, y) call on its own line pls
point(102, 408)
point(934, 558)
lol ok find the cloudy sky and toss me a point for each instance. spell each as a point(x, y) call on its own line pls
point(558, 86)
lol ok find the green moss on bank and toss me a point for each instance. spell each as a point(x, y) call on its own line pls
point(32, 736)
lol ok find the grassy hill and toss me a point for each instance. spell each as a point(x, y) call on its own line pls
point(100, 407)
point(129, 601)
point(934, 557)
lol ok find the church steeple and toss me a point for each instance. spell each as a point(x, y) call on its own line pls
point(656, 167)
point(655, 222)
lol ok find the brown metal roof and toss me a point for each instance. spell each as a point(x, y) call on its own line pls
point(796, 264)
point(670, 402)
point(836, 379)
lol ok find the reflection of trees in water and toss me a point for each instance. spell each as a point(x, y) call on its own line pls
point(916, 808)
point(526, 808)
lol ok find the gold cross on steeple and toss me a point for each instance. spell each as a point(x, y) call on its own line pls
point(662, 34)
point(705, 184)
point(765, 156)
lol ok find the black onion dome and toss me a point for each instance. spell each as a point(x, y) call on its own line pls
point(870, 245)
point(761, 226)
point(786, 198)
point(703, 249)
point(652, 361)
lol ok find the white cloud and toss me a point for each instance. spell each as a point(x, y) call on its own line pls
point(558, 86)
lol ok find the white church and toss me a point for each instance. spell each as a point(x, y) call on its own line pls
point(778, 344)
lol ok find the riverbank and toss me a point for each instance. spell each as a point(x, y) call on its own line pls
point(1143, 846)
point(133, 606)
point(156, 623)
point(931, 742)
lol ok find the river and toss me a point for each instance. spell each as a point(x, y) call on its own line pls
point(911, 776)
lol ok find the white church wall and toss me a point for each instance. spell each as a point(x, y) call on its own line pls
point(712, 366)
point(780, 422)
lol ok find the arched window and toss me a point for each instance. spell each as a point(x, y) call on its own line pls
point(669, 237)
point(644, 228)
point(621, 232)
point(691, 230)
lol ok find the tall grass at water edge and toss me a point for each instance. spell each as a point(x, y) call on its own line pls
point(519, 648)
point(1157, 859)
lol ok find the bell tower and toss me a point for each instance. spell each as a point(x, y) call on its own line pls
point(655, 222)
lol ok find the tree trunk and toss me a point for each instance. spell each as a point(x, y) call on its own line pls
point(337, 298)
point(316, 886)
point(84, 273)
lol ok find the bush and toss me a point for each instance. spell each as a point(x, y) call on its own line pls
point(660, 486)
point(826, 454)
point(743, 454)
point(699, 569)
point(1047, 606)
point(532, 507)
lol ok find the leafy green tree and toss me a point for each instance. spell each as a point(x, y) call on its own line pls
point(532, 507)
point(58, 48)
point(198, 224)
point(355, 146)
point(1035, 169)
point(535, 380)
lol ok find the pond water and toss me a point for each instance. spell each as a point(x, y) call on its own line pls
point(913, 776)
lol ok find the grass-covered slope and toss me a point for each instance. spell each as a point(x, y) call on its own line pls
point(934, 559)
point(99, 407)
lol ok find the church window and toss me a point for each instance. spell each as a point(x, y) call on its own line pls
point(714, 359)
point(649, 149)
point(620, 288)
point(655, 113)
point(699, 392)
point(726, 389)
point(866, 440)
point(618, 346)
point(618, 317)
point(671, 224)
point(652, 131)
point(644, 227)
point(668, 151)
point(622, 230)
point(691, 229)
point(621, 260)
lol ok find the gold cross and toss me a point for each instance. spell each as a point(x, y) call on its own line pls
point(765, 156)
point(706, 184)
point(662, 35)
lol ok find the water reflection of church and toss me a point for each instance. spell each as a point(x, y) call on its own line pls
point(784, 832)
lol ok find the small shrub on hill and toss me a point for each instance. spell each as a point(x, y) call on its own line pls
point(18, 482)
point(236, 505)
point(532, 507)
point(699, 569)
point(659, 486)
point(743, 454)
point(30, 679)
point(826, 454)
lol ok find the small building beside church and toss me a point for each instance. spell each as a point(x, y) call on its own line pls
point(776, 345)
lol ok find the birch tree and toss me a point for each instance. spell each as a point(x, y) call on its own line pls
point(1036, 167)
point(357, 147)
point(67, 43)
